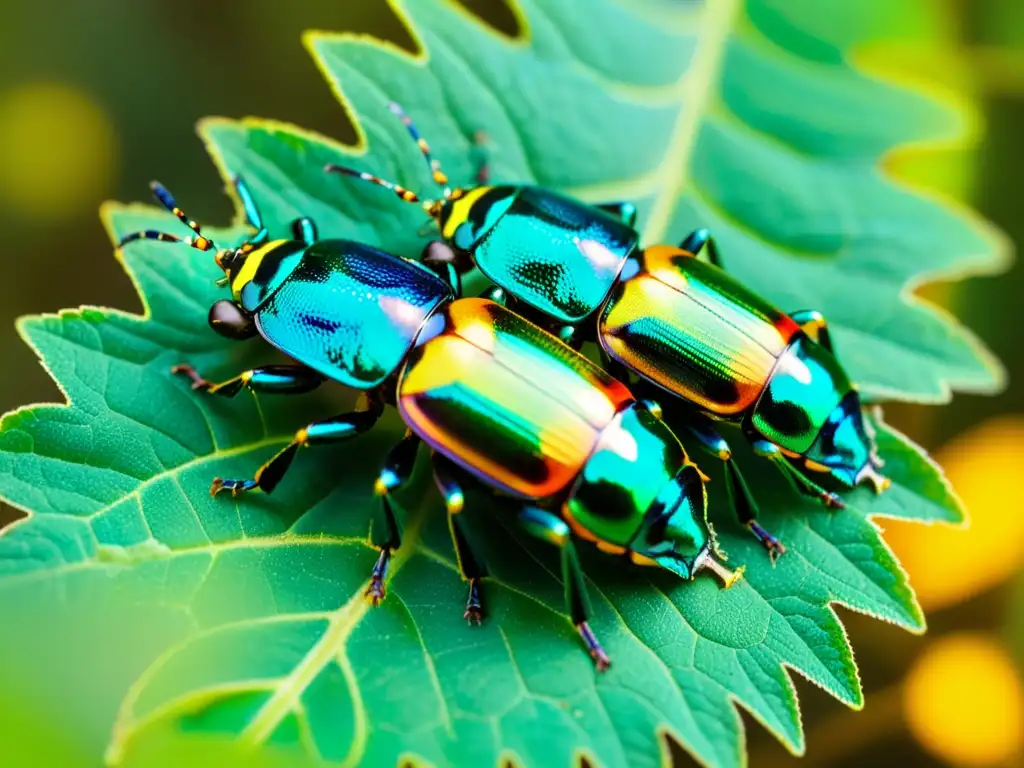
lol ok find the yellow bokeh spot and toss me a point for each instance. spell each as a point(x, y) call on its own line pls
point(57, 150)
point(964, 702)
point(949, 564)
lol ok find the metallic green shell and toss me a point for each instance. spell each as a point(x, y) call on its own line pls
point(506, 400)
point(844, 444)
point(804, 390)
point(675, 531)
point(350, 311)
point(632, 465)
point(554, 253)
point(695, 331)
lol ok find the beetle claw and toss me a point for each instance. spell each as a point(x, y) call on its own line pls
point(474, 608)
point(601, 660)
point(198, 382)
point(237, 487)
point(775, 547)
point(376, 591)
point(833, 501)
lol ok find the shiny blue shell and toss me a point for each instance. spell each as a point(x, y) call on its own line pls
point(350, 311)
point(527, 252)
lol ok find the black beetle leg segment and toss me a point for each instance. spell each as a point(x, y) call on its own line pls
point(797, 479)
point(470, 565)
point(813, 323)
point(552, 529)
point(695, 241)
point(270, 379)
point(398, 467)
point(304, 230)
point(332, 430)
point(624, 212)
point(742, 498)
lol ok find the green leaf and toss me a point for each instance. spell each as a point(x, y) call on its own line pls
point(168, 610)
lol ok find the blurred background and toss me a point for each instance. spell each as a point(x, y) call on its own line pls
point(98, 98)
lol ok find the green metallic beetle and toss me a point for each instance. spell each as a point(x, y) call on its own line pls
point(497, 399)
point(682, 325)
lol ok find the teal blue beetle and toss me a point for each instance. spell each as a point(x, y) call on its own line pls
point(683, 326)
point(499, 401)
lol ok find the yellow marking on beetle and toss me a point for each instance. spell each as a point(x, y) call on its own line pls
point(815, 466)
point(639, 559)
point(460, 210)
point(444, 361)
point(611, 549)
point(251, 264)
point(584, 533)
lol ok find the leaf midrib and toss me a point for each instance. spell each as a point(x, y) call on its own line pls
point(702, 77)
point(330, 646)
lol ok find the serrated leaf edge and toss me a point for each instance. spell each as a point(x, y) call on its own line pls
point(360, 148)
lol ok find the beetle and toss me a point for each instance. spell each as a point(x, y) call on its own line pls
point(496, 399)
point(680, 324)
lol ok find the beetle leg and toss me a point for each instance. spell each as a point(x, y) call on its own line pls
point(398, 467)
point(695, 241)
point(304, 229)
point(797, 479)
point(470, 565)
point(496, 294)
point(743, 500)
point(813, 323)
point(332, 430)
point(624, 212)
point(275, 379)
point(552, 529)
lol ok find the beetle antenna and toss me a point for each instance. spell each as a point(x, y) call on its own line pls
point(439, 176)
point(167, 201)
point(199, 242)
point(150, 234)
point(430, 206)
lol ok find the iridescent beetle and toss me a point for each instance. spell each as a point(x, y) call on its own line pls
point(494, 397)
point(682, 325)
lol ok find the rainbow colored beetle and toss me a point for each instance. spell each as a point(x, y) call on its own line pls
point(682, 325)
point(496, 398)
